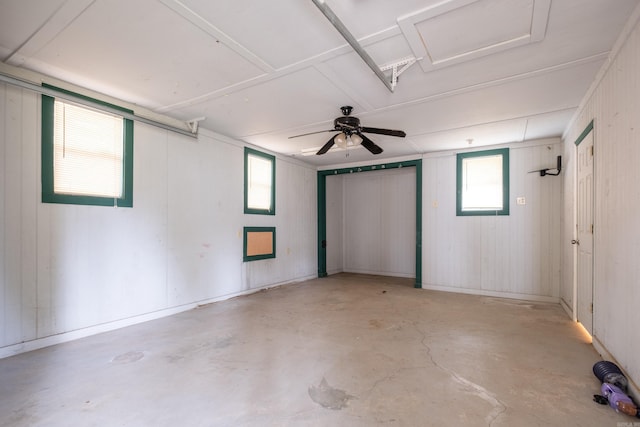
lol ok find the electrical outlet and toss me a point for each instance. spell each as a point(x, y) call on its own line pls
point(521, 201)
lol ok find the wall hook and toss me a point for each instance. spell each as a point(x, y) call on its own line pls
point(554, 172)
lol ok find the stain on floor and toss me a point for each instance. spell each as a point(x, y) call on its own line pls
point(329, 397)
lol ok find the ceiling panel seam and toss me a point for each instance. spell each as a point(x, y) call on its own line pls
point(554, 140)
point(540, 19)
point(213, 31)
point(492, 122)
point(531, 74)
point(33, 80)
point(57, 23)
point(312, 61)
point(335, 79)
point(496, 82)
point(303, 65)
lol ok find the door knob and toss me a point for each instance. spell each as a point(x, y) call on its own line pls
point(575, 242)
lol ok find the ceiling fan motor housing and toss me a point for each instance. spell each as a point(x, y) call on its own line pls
point(347, 124)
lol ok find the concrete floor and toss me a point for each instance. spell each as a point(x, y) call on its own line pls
point(348, 350)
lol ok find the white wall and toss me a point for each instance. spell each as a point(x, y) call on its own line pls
point(512, 256)
point(371, 219)
point(614, 106)
point(77, 270)
point(335, 223)
point(379, 225)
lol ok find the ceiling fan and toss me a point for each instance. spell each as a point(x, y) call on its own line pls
point(351, 133)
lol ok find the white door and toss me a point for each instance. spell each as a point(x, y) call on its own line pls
point(585, 233)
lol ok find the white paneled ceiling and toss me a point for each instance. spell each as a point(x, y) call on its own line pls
point(486, 71)
point(461, 30)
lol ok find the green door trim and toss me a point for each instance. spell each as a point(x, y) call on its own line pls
point(322, 210)
point(584, 133)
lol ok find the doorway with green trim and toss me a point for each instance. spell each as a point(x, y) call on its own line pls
point(371, 223)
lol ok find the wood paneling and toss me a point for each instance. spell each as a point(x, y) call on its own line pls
point(17, 202)
point(335, 223)
point(515, 255)
point(67, 268)
point(379, 222)
point(615, 110)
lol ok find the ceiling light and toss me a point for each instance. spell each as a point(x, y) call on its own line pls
point(341, 140)
point(355, 139)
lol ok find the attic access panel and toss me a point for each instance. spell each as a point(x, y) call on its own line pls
point(457, 31)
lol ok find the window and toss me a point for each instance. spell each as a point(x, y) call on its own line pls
point(87, 155)
point(259, 183)
point(259, 243)
point(483, 183)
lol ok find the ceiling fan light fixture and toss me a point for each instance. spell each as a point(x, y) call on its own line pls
point(351, 134)
point(341, 140)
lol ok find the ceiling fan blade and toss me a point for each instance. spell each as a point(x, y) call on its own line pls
point(370, 145)
point(326, 146)
point(312, 133)
point(389, 132)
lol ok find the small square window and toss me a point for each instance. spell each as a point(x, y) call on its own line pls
point(259, 182)
point(483, 183)
point(87, 155)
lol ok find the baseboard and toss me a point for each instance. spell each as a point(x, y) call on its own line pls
point(566, 308)
point(496, 294)
point(38, 343)
point(381, 273)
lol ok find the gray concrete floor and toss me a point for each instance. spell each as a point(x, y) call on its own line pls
point(347, 350)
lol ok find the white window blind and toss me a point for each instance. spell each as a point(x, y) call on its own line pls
point(88, 152)
point(482, 183)
point(259, 185)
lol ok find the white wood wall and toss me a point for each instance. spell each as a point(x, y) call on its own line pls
point(335, 223)
point(66, 268)
point(614, 106)
point(70, 268)
point(513, 256)
point(371, 220)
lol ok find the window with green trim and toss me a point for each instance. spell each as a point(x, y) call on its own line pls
point(87, 155)
point(259, 182)
point(483, 183)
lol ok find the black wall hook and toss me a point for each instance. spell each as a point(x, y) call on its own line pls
point(555, 172)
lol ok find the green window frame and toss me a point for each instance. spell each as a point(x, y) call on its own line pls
point(482, 198)
point(49, 195)
point(254, 250)
point(256, 201)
